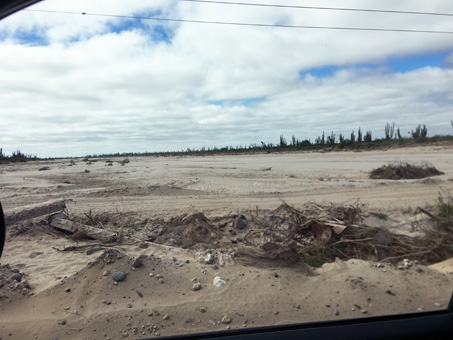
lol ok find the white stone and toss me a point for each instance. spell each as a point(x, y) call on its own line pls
point(219, 282)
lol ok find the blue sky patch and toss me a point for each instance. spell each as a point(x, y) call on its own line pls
point(398, 64)
point(414, 62)
point(157, 30)
point(31, 38)
point(125, 25)
point(240, 102)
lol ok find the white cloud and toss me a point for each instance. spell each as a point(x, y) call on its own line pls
point(127, 91)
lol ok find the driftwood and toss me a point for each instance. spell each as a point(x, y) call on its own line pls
point(90, 232)
point(31, 211)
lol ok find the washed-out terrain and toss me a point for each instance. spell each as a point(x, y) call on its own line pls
point(220, 242)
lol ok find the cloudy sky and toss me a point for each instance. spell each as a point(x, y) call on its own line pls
point(103, 82)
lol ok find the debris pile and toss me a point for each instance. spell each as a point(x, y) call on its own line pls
point(399, 171)
point(313, 235)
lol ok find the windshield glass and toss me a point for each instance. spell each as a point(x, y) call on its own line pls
point(171, 167)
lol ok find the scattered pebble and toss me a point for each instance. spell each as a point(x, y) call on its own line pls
point(106, 273)
point(380, 265)
point(161, 281)
point(62, 322)
point(196, 286)
point(437, 304)
point(203, 309)
point(337, 312)
point(166, 317)
point(129, 305)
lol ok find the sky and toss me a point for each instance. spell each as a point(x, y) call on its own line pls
point(75, 85)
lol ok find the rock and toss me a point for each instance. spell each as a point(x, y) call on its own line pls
point(16, 277)
point(93, 250)
point(219, 282)
point(226, 259)
point(143, 245)
point(187, 261)
point(337, 312)
point(119, 276)
point(380, 265)
point(203, 309)
point(143, 257)
point(276, 275)
point(106, 273)
point(161, 281)
point(62, 322)
point(226, 320)
point(159, 276)
point(209, 258)
point(240, 224)
point(166, 317)
point(129, 305)
point(196, 286)
point(137, 263)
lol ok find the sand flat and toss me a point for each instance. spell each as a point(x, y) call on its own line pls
point(163, 187)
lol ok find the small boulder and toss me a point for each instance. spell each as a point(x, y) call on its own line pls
point(209, 258)
point(16, 277)
point(119, 276)
point(219, 282)
point(240, 223)
point(137, 263)
point(226, 320)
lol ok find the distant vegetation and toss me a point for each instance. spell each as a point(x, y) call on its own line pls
point(16, 156)
point(357, 140)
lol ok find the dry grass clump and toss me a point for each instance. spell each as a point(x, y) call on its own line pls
point(402, 170)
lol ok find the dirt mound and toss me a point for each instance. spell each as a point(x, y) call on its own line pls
point(404, 171)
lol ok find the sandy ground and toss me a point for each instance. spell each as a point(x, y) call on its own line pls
point(71, 295)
